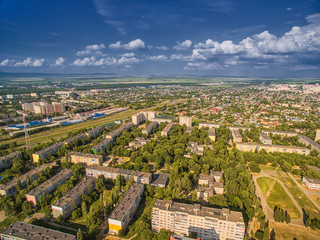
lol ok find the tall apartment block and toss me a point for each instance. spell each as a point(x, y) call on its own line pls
point(109, 172)
point(86, 158)
point(43, 107)
point(185, 120)
point(9, 188)
point(207, 223)
point(142, 116)
point(125, 210)
point(72, 199)
point(26, 231)
point(6, 161)
point(48, 186)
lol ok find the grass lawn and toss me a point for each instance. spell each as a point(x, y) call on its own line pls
point(316, 198)
point(285, 231)
point(267, 167)
point(300, 197)
point(264, 183)
point(279, 197)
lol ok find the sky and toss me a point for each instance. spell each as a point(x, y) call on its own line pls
point(252, 38)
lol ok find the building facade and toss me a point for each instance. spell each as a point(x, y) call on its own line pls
point(207, 223)
point(184, 120)
point(142, 116)
point(167, 129)
point(110, 172)
point(86, 158)
point(6, 161)
point(125, 210)
point(236, 135)
point(72, 199)
point(48, 186)
point(313, 184)
point(265, 139)
point(148, 129)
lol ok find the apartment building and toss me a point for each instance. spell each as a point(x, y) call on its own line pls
point(248, 147)
point(212, 134)
point(86, 158)
point(265, 139)
point(307, 141)
point(209, 125)
point(26, 231)
point(9, 188)
point(138, 142)
point(167, 129)
point(194, 147)
point(6, 161)
point(72, 199)
point(208, 223)
point(110, 172)
point(148, 129)
point(142, 116)
point(160, 180)
point(43, 107)
point(236, 135)
point(101, 145)
point(48, 186)
point(184, 120)
point(281, 133)
point(313, 184)
point(119, 130)
point(43, 153)
point(209, 185)
point(125, 210)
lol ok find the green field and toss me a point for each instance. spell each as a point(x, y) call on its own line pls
point(279, 197)
point(264, 183)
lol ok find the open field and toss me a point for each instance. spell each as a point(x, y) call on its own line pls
point(264, 183)
point(287, 232)
point(279, 197)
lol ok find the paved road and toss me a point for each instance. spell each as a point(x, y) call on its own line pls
point(306, 192)
point(268, 211)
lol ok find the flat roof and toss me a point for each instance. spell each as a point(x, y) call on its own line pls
point(121, 210)
point(150, 126)
point(119, 170)
point(89, 155)
point(9, 156)
point(198, 210)
point(43, 186)
point(33, 232)
point(268, 145)
point(160, 179)
point(78, 189)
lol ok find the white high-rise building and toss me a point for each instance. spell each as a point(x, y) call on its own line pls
point(185, 120)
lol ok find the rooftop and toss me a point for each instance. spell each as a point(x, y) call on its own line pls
point(33, 232)
point(198, 210)
point(119, 170)
point(38, 190)
point(121, 210)
point(10, 155)
point(75, 191)
point(160, 179)
point(89, 155)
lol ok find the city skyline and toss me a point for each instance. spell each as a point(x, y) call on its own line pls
point(221, 37)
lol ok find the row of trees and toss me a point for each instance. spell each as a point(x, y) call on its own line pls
point(280, 215)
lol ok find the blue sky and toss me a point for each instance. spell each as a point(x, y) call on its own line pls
point(162, 37)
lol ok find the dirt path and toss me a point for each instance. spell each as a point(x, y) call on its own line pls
point(306, 192)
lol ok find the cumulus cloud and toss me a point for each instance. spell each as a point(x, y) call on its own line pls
point(164, 48)
point(128, 60)
point(94, 49)
point(60, 61)
point(158, 58)
point(28, 62)
point(93, 61)
point(183, 45)
point(133, 45)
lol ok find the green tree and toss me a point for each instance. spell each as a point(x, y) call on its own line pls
point(287, 217)
point(84, 209)
point(100, 184)
point(80, 235)
point(26, 207)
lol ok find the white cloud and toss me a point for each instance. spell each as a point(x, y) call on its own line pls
point(94, 49)
point(92, 61)
point(289, 9)
point(133, 45)
point(183, 45)
point(128, 55)
point(28, 62)
point(158, 58)
point(60, 61)
point(164, 48)
point(128, 60)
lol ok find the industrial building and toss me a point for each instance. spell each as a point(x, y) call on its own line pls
point(125, 210)
point(25, 231)
point(86, 158)
point(208, 223)
point(48, 186)
point(167, 129)
point(109, 172)
point(148, 129)
point(72, 199)
point(6, 161)
point(184, 120)
point(9, 188)
point(248, 147)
